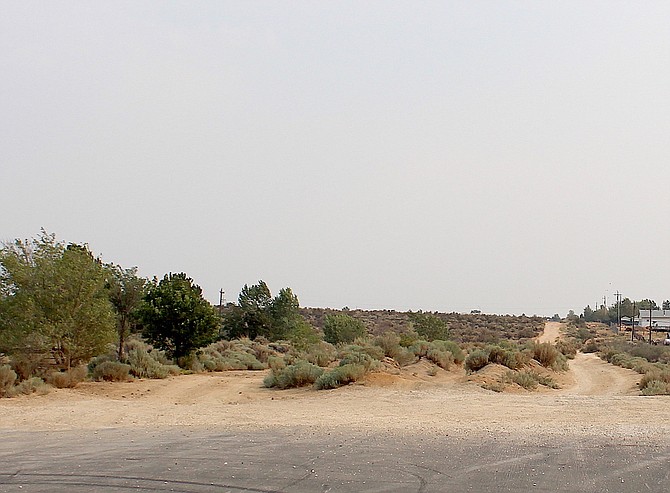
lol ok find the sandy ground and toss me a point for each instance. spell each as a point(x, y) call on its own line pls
point(595, 399)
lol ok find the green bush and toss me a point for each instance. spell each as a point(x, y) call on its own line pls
point(567, 348)
point(360, 355)
point(526, 379)
point(7, 379)
point(67, 379)
point(342, 328)
point(320, 354)
point(450, 346)
point(112, 371)
point(144, 365)
point(443, 359)
point(342, 375)
point(476, 360)
point(33, 385)
point(300, 374)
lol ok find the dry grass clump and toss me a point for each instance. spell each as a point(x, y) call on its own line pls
point(476, 360)
point(442, 353)
point(656, 383)
point(240, 354)
point(10, 388)
point(67, 379)
point(33, 385)
point(321, 353)
point(147, 364)
point(111, 371)
point(548, 356)
point(567, 348)
point(7, 379)
point(299, 374)
point(506, 353)
point(342, 375)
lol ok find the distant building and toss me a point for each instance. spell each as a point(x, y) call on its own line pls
point(660, 319)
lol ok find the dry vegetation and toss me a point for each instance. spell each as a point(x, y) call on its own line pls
point(464, 328)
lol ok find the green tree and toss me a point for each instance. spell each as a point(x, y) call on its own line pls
point(666, 305)
point(126, 291)
point(341, 327)
point(176, 318)
point(53, 302)
point(647, 305)
point(257, 313)
point(429, 326)
point(589, 314)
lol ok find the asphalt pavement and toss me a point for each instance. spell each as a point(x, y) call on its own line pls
point(198, 461)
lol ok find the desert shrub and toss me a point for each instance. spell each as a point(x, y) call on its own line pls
point(510, 357)
point(320, 354)
point(241, 354)
point(548, 356)
point(450, 346)
point(432, 371)
point(408, 338)
point(389, 342)
point(476, 360)
point(547, 381)
point(567, 348)
point(443, 359)
point(649, 352)
point(144, 365)
point(342, 328)
point(276, 363)
point(7, 379)
point(112, 371)
point(67, 379)
point(655, 376)
point(404, 356)
point(591, 346)
point(656, 387)
point(342, 375)
point(300, 374)
point(526, 379)
point(358, 358)
point(33, 385)
point(28, 365)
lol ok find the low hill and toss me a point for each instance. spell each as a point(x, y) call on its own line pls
point(464, 327)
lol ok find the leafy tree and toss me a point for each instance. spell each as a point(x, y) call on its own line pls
point(666, 305)
point(429, 326)
point(126, 291)
point(53, 303)
point(259, 314)
point(255, 302)
point(589, 314)
point(341, 327)
point(647, 305)
point(175, 316)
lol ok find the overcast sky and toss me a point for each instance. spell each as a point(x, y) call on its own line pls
point(503, 156)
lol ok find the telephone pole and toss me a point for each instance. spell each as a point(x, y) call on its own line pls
point(618, 308)
point(221, 301)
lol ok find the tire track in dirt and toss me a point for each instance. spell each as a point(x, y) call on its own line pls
point(590, 375)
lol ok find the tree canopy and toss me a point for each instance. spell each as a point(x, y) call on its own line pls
point(126, 290)
point(53, 303)
point(175, 316)
point(257, 313)
point(341, 327)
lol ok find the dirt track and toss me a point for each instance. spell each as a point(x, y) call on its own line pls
point(596, 398)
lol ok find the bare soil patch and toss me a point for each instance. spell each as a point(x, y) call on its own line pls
point(596, 398)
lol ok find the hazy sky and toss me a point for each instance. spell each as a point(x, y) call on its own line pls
point(504, 156)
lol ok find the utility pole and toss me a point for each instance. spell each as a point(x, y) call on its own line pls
point(632, 325)
point(650, 323)
point(221, 301)
point(618, 308)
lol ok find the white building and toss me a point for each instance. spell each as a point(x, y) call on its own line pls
point(660, 319)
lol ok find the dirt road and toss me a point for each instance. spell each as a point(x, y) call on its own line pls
point(552, 332)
